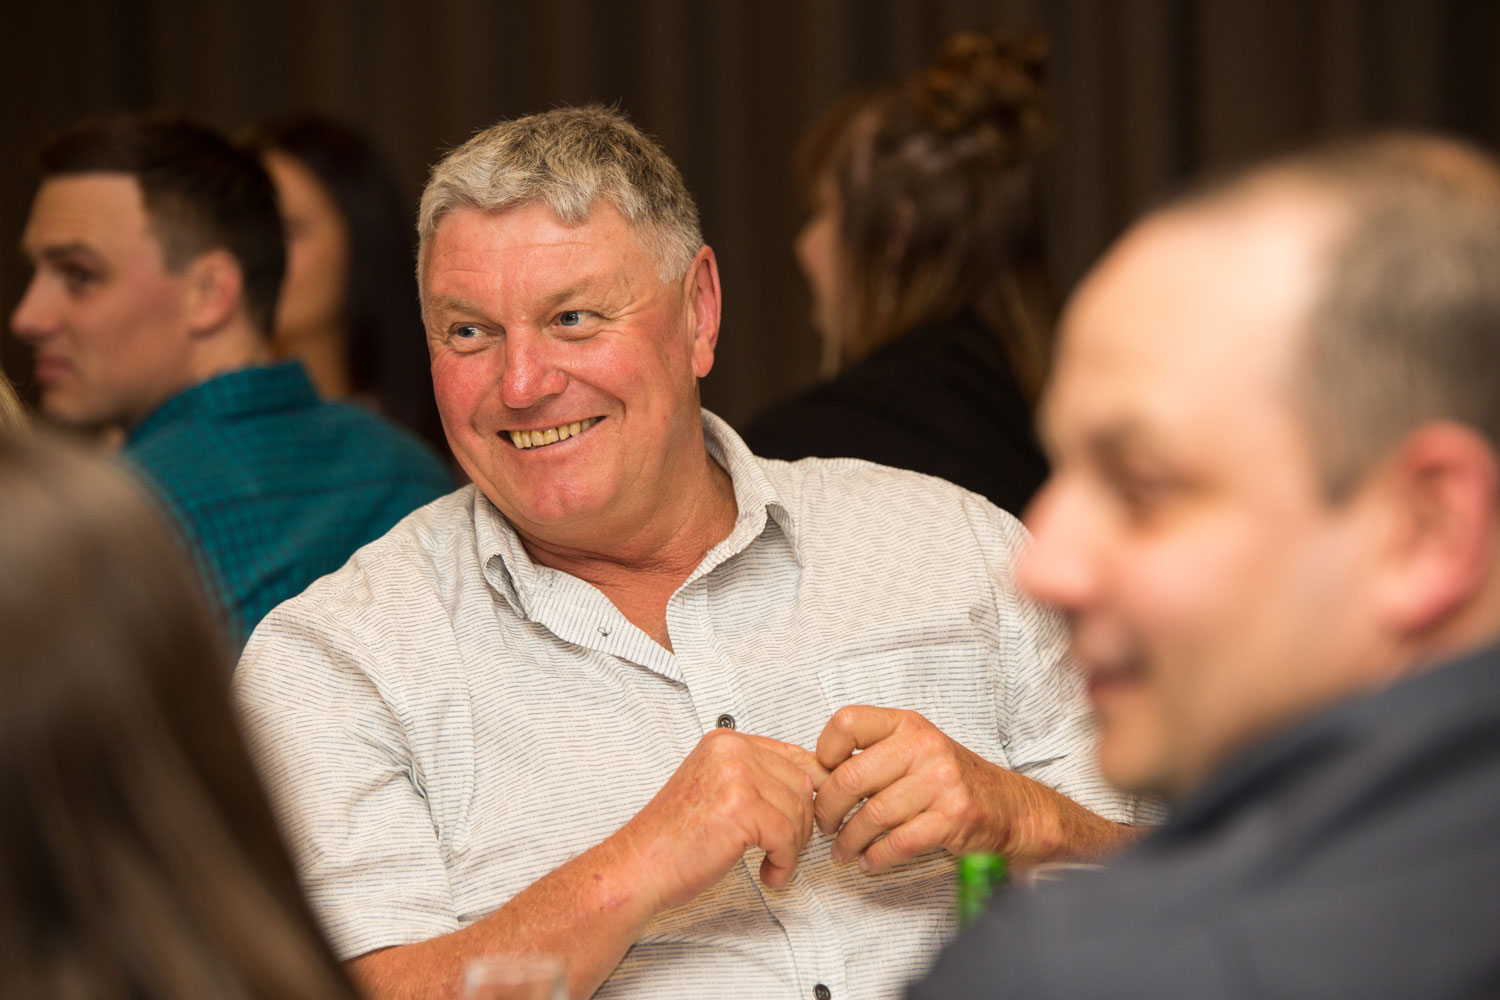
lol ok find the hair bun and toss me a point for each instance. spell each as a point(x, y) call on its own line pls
point(990, 87)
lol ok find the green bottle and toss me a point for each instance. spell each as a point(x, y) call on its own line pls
point(978, 876)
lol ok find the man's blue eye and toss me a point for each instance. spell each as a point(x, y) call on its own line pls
point(571, 317)
point(466, 332)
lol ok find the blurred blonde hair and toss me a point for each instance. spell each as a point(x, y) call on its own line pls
point(138, 854)
point(12, 414)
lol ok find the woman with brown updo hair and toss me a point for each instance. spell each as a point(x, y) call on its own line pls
point(138, 857)
point(930, 284)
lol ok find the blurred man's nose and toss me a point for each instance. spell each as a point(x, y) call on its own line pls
point(1058, 568)
point(37, 314)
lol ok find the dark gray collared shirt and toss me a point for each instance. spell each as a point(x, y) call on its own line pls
point(1356, 856)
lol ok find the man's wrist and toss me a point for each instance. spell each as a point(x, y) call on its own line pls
point(616, 886)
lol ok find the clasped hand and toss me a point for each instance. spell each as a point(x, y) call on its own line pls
point(920, 790)
point(910, 790)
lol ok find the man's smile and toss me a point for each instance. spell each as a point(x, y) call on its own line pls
point(551, 435)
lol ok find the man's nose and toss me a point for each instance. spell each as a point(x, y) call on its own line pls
point(1059, 567)
point(36, 315)
point(531, 372)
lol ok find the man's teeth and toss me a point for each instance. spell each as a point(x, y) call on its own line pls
point(552, 435)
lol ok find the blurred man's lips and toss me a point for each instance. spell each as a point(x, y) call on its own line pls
point(528, 439)
point(49, 369)
point(1103, 679)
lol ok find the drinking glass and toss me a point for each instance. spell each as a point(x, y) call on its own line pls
point(1053, 871)
point(514, 977)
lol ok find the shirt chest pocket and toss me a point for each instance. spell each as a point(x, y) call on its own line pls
point(954, 685)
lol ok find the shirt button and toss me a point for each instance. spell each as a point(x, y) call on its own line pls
point(821, 992)
point(726, 721)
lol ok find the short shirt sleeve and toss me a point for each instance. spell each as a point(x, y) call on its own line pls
point(329, 740)
point(1047, 725)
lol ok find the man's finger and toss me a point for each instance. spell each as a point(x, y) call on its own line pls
point(805, 760)
point(779, 838)
point(898, 804)
point(911, 839)
point(859, 777)
point(854, 727)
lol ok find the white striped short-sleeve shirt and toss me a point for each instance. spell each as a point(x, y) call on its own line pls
point(443, 721)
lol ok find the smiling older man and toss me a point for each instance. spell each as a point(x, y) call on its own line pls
point(590, 705)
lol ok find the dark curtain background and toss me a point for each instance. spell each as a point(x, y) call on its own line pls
point(1149, 91)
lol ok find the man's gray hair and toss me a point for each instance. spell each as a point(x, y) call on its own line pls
point(568, 158)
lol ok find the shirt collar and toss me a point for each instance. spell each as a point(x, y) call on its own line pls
point(510, 569)
point(257, 389)
point(754, 493)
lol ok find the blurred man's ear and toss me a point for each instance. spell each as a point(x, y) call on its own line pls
point(1444, 483)
point(216, 288)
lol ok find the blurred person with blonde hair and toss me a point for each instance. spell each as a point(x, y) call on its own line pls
point(138, 857)
point(12, 413)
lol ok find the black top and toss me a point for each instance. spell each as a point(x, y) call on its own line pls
point(939, 399)
point(1356, 856)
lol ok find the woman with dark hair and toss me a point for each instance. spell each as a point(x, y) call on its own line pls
point(138, 856)
point(928, 270)
point(348, 307)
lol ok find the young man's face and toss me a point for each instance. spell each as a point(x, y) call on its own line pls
point(1214, 593)
point(104, 315)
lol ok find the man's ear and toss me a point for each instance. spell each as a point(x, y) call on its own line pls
point(702, 297)
point(216, 289)
point(1444, 488)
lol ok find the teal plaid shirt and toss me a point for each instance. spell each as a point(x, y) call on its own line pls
point(274, 487)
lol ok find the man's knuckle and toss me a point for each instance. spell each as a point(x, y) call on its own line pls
point(719, 738)
point(901, 841)
point(848, 779)
point(843, 719)
point(947, 773)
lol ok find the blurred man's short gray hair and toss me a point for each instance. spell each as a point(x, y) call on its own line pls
point(568, 158)
point(1406, 328)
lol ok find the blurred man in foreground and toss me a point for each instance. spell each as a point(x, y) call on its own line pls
point(158, 253)
point(583, 707)
point(1274, 523)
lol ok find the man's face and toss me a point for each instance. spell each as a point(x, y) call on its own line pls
point(565, 369)
point(106, 318)
point(1214, 593)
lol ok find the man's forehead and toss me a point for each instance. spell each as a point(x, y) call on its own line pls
point(1195, 312)
point(532, 224)
point(531, 244)
point(1204, 291)
point(92, 208)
